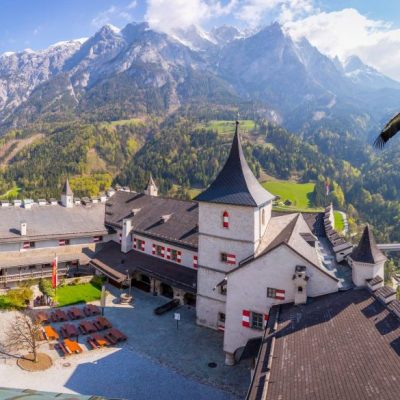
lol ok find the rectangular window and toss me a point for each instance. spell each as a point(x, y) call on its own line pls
point(228, 258)
point(63, 242)
point(140, 244)
point(221, 317)
point(159, 251)
point(222, 288)
point(278, 294)
point(28, 245)
point(174, 255)
point(257, 321)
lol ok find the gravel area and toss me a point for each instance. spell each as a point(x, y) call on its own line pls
point(158, 360)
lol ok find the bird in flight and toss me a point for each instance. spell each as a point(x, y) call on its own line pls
point(390, 129)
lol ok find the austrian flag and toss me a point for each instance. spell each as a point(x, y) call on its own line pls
point(54, 267)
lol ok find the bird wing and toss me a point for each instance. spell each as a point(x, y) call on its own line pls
point(390, 129)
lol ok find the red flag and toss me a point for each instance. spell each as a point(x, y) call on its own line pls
point(54, 281)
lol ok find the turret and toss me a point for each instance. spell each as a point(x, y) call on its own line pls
point(151, 188)
point(367, 261)
point(67, 195)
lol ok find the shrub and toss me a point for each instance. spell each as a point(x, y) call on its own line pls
point(98, 281)
point(46, 287)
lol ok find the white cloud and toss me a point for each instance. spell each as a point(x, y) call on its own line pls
point(253, 12)
point(165, 15)
point(347, 32)
point(114, 14)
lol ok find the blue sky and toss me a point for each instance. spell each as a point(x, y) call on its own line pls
point(337, 27)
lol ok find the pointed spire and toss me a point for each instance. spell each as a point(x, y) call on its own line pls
point(236, 183)
point(67, 189)
point(151, 188)
point(151, 182)
point(367, 251)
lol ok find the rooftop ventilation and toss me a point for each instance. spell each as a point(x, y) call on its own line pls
point(165, 218)
point(28, 203)
point(135, 211)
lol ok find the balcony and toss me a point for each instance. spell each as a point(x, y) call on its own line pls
point(28, 275)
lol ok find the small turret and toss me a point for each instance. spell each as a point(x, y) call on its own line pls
point(67, 195)
point(151, 188)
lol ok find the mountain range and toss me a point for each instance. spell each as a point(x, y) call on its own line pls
point(134, 71)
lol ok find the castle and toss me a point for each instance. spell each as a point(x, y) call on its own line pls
point(226, 252)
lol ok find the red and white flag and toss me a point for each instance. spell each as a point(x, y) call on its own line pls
point(280, 294)
point(54, 266)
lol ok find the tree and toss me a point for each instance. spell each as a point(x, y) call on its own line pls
point(23, 334)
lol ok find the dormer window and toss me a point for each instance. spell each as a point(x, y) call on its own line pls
point(225, 219)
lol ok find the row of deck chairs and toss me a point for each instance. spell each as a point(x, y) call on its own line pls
point(73, 313)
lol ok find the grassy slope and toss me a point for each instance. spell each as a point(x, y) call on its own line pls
point(225, 127)
point(339, 223)
point(84, 293)
point(298, 193)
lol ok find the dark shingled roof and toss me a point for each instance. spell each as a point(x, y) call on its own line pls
point(385, 292)
point(367, 251)
point(108, 260)
point(67, 189)
point(180, 228)
point(340, 346)
point(375, 280)
point(236, 184)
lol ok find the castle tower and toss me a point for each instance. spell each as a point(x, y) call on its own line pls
point(151, 188)
point(233, 215)
point(67, 195)
point(367, 261)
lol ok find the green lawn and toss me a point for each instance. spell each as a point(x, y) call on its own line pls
point(225, 127)
point(339, 223)
point(298, 193)
point(73, 294)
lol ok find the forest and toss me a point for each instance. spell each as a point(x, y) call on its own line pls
point(183, 151)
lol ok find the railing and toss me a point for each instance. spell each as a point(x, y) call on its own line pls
point(25, 276)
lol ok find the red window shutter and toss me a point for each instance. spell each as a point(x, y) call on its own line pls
point(231, 259)
point(225, 219)
point(162, 251)
point(154, 249)
point(143, 243)
point(168, 253)
point(266, 317)
point(179, 257)
point(26, 245)
point(61, 242)
point(195, 259)
point(246, 318)
point(134, 243)
point(280, 294)
point(120, 237)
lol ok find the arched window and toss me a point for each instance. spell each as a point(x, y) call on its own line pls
point(225, 219)
point(263, 216)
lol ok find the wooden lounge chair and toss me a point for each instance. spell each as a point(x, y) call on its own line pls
point(100, 340)
point(63, 349)
point(92, 343)
point(72, 346)
point(117, 335)
point(110, 338)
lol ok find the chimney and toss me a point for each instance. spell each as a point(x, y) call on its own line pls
point(300, 284)
point(126, 240)
point(23, 228)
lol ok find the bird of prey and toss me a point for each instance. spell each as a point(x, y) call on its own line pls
point(390, 129)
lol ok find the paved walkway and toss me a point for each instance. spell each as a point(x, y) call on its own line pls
point(158, 360)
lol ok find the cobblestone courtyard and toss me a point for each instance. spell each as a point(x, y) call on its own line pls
point(158, 360)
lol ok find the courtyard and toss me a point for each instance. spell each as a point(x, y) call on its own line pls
point(159, 360)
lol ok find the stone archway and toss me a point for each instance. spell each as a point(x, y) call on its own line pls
point(166, 291)
point(189, 299)
point(142, 282)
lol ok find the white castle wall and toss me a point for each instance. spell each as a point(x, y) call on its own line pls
point(247, 290)
point(362, 271)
